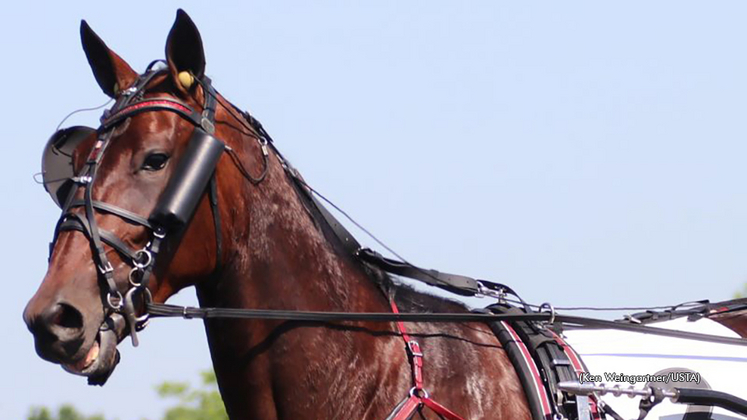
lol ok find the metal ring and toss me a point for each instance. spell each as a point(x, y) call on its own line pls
point(147, 298)
point(549, 306)
point(140, 253)
point(131, 277)
point(117, 296)
point(419, 392)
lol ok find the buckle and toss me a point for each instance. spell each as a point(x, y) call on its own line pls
point(206, 124)
point(414, 348)
point(106, 269)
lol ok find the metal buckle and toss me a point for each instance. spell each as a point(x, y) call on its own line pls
point(484, 291)
point(263, 145)
point(414, 348)
point(207, 125)
point(83, 180)
point(106, 269)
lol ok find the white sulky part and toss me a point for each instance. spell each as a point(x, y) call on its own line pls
point(627, 360)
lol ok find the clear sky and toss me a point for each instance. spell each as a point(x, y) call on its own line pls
point(585, 153)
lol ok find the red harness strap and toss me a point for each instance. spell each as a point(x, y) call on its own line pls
point(418, 395)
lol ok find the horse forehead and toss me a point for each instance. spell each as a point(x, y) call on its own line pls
point(149, 129)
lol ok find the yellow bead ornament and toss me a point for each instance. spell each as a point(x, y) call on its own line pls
point(186, 79)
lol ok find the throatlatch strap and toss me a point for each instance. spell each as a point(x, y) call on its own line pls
point(213, 190)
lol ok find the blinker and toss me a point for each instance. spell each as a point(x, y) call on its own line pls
point(57, 162)
point(188, 182)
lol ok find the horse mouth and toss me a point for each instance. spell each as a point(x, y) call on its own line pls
point(100, 360)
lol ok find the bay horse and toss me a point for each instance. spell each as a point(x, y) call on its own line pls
point(268, 251)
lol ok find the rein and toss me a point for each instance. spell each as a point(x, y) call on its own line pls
point(160, 310)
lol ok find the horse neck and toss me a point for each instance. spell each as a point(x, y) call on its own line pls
point(278, 257)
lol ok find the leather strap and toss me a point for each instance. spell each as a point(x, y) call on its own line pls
point(461, 285)
point(413, 351)
point(78, 223)
point(152, 104)
point(213, 190)
point(118, 211)
point(418, 395)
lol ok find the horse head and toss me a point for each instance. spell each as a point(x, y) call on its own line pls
point(135, 188)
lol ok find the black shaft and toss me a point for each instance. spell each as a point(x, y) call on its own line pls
point(711, 397)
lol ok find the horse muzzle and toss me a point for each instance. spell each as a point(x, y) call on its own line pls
point(102, 357)
point(60, 338)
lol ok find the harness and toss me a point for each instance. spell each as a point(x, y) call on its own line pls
point(542, 360)
point(539, 355)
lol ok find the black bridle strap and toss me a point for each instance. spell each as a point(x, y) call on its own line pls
point(455, 283)
point(118, 211)
point(213, 196)
point(163, 310)
point(75, 222)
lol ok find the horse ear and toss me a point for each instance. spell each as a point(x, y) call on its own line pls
point(184, 51)
point(110, 70)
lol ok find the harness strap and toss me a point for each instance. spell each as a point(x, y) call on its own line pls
point(418, 395)
point(78, 223)
point(413, 350)
point(213, 189)
point(152, 104)
point(461, 285)
point(118, 211)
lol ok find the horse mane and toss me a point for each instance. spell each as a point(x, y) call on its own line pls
point(411, 300)
point(408, 299)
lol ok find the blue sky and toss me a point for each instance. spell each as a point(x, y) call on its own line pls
point(586, 153)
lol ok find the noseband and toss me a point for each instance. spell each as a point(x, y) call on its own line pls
point(196, 169)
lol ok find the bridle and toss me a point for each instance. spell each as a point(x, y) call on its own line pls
point(194, 173)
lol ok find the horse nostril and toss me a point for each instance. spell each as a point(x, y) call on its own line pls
point(62, 318)
point(58, 331)
point(66, 316)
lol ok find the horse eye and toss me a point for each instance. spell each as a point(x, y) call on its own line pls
point(155, 162)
